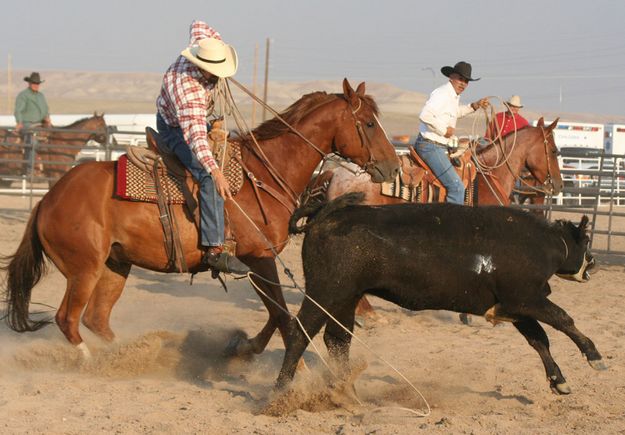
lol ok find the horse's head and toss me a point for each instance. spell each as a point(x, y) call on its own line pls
point(360, 137)
point(98, 125)
point(542, 162)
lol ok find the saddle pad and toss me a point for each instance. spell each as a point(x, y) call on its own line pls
point(398, 189)
point(233, 170)
point(133, 184)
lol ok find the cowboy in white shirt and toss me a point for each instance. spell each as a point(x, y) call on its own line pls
point(438, 123)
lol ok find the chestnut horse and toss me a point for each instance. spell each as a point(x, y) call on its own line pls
point(56, 158)
point(52, 149)
point(94, 239)
point(533, 148)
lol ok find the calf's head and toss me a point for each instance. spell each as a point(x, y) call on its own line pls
point(578, 259)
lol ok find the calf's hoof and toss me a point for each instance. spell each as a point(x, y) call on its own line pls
point(559, 388)
point(597, 364)
point(465, 319)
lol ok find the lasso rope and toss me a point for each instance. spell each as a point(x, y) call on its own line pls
point(295, 285)
point(240, 120)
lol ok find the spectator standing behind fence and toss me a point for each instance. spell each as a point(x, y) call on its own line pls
point(508, 121)
point(438, 125)
point(31, 107)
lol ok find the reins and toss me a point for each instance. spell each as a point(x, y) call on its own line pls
point(322, 153)
point(498, 141)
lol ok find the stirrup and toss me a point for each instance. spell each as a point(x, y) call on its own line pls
point(224, 262)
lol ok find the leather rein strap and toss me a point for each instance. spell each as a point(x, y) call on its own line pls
point(173, 245)
point(290, 201)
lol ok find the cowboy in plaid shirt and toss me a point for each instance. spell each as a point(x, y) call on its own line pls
point(185, 101)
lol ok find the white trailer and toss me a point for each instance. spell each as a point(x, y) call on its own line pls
point(615, 139)
point(569, 134)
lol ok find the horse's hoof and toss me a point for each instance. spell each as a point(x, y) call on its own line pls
point(84, 351)
point(239, 346)
point(598, 364)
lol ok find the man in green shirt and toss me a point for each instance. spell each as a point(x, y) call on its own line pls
point(31, 107)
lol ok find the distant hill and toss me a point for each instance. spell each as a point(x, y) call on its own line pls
point(134, 92)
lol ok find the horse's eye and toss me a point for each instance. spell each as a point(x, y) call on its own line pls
point(370, 124)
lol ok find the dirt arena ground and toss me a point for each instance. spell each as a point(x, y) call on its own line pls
point(166, 373)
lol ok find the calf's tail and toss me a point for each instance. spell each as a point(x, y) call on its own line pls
point(24, 269)
point(318, 211)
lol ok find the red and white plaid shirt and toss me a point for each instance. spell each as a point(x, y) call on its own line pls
point(186, 97)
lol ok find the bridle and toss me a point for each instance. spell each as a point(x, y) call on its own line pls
point(549, 178)
point(547, 186)
point(365, 142)
point(290, 192)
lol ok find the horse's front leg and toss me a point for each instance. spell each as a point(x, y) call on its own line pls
point(265, 267)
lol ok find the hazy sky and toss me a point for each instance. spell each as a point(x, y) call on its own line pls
point(567, 56)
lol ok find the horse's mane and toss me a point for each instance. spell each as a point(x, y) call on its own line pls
point(80, 121)
point(520, 131)
point(297, 111)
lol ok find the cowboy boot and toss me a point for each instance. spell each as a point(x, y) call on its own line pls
point(219, 260)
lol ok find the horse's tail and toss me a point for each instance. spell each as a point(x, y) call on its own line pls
point(24, 270)
point(317, 211)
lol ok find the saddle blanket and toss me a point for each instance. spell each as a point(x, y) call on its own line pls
point(133, 184)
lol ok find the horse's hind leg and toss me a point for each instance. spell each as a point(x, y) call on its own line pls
point(106, 293)
point(79, 289)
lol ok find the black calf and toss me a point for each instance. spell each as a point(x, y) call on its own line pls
point(490, 261)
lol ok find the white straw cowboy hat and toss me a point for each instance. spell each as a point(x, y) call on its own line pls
point(514, 101)
point(214, 56)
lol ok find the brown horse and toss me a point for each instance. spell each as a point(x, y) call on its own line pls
point(57, 148)
point(94, 238)
point(532, 147)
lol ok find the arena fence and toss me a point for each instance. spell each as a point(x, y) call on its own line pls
point(594, 183)
point(21, 163)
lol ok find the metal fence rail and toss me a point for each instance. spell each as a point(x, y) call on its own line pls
point(594, 184)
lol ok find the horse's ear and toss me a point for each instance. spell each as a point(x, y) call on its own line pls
point(349, 93)
point(347, 88)
point(553, 124)
point(98, 114)
point(360, 90)
point(541, 122)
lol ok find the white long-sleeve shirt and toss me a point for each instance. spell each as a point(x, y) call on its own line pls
point(441, 110)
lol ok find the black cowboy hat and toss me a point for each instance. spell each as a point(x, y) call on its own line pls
point(463, 69)
point(34, 78)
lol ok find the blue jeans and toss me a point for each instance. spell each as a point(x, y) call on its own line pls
point(211, 204)
point(438, 161)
